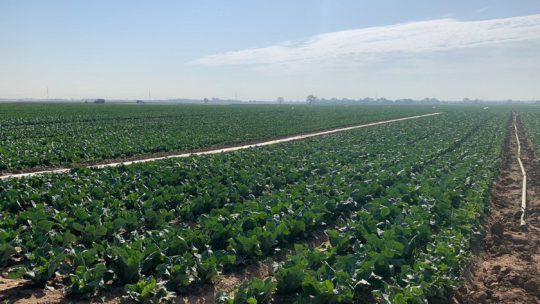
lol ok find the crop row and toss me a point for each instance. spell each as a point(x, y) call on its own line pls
point(408, 245)
point(54, 135)
point(386, 197)
point(530, 117)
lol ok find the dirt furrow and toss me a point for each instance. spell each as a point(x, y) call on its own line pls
point(507, 269)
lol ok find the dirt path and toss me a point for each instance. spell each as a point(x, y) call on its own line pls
point(508, 268)
point(289, 138)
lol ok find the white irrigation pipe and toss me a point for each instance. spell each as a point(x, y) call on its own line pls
point(235, 148)
point(524, 185)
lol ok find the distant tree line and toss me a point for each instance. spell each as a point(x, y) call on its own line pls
point(312, 99)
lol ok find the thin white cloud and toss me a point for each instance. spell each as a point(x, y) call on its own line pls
point(481, 10)
point(361, 46)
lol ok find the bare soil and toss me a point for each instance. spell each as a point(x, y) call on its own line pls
point(508, 267)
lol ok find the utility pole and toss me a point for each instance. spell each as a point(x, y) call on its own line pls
point(47, 92)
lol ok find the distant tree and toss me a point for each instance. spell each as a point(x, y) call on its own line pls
point(99, 100)
point(311, 99)
point(280, 100)
point(205, 100)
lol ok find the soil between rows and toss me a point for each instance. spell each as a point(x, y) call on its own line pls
point(508, 267)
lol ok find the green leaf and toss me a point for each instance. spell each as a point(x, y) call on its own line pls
point(16, 272)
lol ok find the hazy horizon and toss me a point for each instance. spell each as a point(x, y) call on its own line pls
point(259, 51)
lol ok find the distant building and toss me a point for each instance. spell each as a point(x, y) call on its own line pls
point(99, 100)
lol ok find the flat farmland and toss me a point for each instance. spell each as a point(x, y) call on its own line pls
point(37, 136)
point(388, 213)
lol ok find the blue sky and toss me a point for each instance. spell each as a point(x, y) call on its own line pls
point(266, 49)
